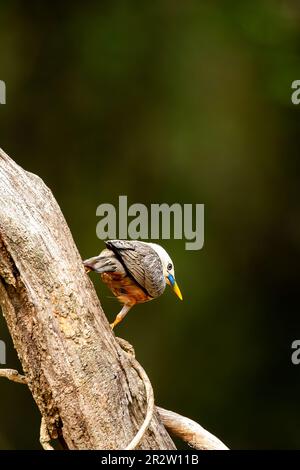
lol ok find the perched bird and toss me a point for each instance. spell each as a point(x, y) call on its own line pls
point(135, 272)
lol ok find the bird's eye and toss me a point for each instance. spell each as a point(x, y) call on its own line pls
point(169, 267)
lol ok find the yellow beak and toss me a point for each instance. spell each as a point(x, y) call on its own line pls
point(171, 281)
point(177, 291)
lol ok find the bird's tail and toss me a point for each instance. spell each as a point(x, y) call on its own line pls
point(99, 264)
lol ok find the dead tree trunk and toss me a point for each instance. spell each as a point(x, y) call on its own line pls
point(87, 391)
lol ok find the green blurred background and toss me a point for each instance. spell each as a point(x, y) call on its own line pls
point(170, 101)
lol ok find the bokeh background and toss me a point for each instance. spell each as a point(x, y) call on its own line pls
point(170, 101)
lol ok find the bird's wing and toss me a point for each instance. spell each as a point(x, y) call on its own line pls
point(104, 263)
point(142, 262)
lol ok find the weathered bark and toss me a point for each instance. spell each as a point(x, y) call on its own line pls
point(82, 381)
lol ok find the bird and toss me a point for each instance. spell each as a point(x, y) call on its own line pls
point(135, 272)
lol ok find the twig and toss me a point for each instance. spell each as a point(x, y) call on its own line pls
point(44, 436)
point(13, 375)
point(186, 429)
point(190, 431)
point(150, 405)
point(149, 393)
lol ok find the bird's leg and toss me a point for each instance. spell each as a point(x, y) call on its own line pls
point(121, 315)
